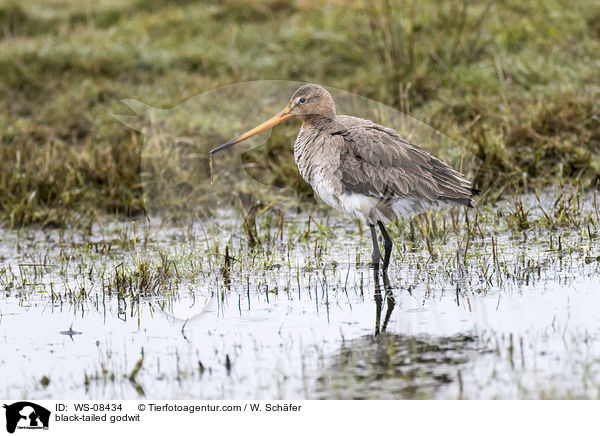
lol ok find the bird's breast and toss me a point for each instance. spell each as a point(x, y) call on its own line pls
point(318, 162)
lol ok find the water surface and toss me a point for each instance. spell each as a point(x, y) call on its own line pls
point(301, 316)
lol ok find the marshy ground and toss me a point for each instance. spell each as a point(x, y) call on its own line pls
point(498, 303)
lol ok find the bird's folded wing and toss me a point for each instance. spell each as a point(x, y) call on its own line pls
point(376, 161)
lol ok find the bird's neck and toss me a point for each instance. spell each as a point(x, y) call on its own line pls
point(318, 121)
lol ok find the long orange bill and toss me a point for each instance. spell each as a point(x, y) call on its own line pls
point(280, 117)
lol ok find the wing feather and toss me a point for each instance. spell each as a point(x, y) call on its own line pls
point(376, 161)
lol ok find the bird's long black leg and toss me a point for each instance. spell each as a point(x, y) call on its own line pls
point(388, 244)
point(376, 254)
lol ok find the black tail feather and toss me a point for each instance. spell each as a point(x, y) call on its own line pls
point(465, 201)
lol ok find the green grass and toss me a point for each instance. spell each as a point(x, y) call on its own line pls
point(518, 83)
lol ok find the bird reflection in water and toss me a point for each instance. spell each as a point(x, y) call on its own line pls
point(387, 365)
point(389, 299)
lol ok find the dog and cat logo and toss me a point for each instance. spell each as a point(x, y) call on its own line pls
point(26, 415)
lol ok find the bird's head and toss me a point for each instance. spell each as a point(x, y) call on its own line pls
point(308, 102)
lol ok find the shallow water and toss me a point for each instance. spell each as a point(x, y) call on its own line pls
point(284, 323)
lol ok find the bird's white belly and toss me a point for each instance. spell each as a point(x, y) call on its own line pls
point(357, 205)
point(360, 206)
point(368, 208)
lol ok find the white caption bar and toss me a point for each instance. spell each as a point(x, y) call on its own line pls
point(299, 417)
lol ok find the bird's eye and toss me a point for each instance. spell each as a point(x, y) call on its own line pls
point(302, 100)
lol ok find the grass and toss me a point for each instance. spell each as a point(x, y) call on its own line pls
point(115, 260)
point(517, 83)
